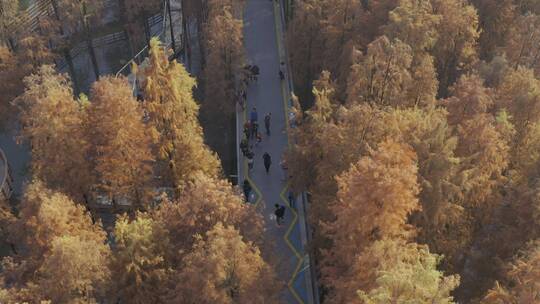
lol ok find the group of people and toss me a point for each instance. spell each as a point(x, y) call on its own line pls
point(252, 133)
point(251, 73)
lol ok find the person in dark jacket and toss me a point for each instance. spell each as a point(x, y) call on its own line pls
point(279, 212)
point(267, 119)
point(247, 189)
point(244, 146)
point(247, 129)
point(292, 200)
point(253, 116)
point(250, 156)
point(267, 161)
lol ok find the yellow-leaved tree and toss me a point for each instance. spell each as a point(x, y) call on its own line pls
point(205, 202)
point(139, 271)
point(120, 150)
point(376, 196)
point(172, 113)
point(382, 74)
point(522, 45)
point(414, 23)
point(224, 58)
point(398, 272)
point(63, 255)
point(455, 50)
point(52, 125)
point(519, 94)
point(224, 268)
point(523, 279)
point(222, 75)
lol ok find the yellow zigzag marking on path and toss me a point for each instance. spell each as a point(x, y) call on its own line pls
point(282, 196)
point(295, 218)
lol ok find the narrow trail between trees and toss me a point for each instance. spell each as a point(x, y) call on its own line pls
point(263, 39)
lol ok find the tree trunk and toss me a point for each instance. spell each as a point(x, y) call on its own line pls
point(92, 54)
point(69, 61)
point(146, 29)
point(186, 37)
point(173, 47)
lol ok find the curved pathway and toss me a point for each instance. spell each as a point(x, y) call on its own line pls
point(264, 47)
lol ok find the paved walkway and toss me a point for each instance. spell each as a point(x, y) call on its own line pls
point(264, 48)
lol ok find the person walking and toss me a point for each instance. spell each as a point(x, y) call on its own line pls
point(250, 156)
point(247, 189)
point(267, 161)
point(292, 200)
point(267, 119)
point(255, 72)
point(254, 129)
point(259, 139)
point(253, 116)
point(279, 212)
point(281, 75)
point(247, 129)
point(284, 167)
point(244, 146)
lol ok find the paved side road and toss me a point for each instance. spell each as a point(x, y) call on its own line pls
point(262, 23)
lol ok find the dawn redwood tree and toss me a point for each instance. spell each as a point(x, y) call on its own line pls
point(424, 84)
point(523, 44)
point(491, 15)
point(519, 93)
point(63, 256)
point(14, 66)
point(52, 123)
point(224, 58)
point(469, 97)
point(140, 273)
point(414, 23)
point(455, 49)
point(223, 72)
point(483, 148)
point(173, 117)
point(45, 214)
point(75, 270)
point(205, 202)
point(307, 152)
point(399, 272)
point(223, 268)
point(484, 154)
point(327, 35)
point(380, 77)
point(9, 13)
point(305, 41)
point(523, 279)
point(340, 28)
point(11, 84)
point(375, 197)
point(119, 141)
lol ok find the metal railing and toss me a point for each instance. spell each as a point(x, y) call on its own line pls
point(305, 197)
point(6, 188)
point(162, 18)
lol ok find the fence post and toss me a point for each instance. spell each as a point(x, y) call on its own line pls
point(86, 26)
point(146, 29)
point(171, 26)
point(69, 61)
